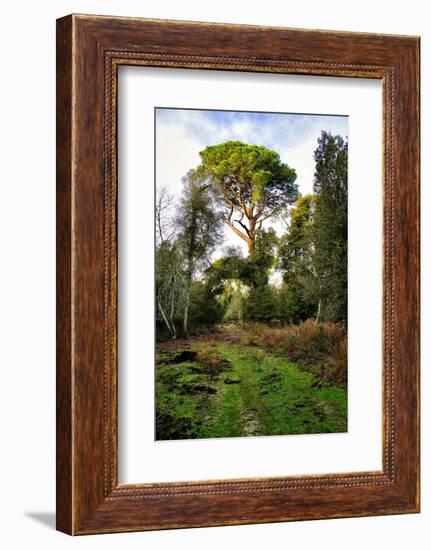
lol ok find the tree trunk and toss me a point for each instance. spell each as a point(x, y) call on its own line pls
point(165, 319)
point(251, 235)
point(190, 273)
point(250, 244)
point(318, 311)
point(171, 317)
point(186, 316)
point(187, 299)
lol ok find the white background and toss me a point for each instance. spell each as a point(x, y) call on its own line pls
point(27, 118)
point(141, 458)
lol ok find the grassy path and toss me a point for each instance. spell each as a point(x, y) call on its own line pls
point(236, 390)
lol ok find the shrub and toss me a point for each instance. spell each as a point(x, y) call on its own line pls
point(338, 361)
point(209, 357)
point(309, 344)
point(250, 340)
point(205, 309)
point(261, 304)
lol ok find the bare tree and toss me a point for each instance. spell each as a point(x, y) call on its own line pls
point(164, 215)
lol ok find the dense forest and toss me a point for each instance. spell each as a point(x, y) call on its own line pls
point(251, 340)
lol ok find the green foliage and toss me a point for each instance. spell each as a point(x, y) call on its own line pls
point(296, 246)
point(294, 304)
point(251, 181)
point(247, 175)
point(231, 276)
point(262, 259)
point(223, 270)
point(330, 225)
point(199, 231)
point(313, 251)
point(296, 261)
point(251, 271)
point(261, 303)
point(205, 308)
point(198, 222)
point(234, 297)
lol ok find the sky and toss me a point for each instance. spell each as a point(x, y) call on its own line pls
point(182, 133)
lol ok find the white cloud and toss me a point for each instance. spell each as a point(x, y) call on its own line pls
point(176, 153)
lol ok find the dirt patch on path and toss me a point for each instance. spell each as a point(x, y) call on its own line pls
point(223, 333)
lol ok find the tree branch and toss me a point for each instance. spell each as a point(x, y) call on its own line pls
point(265, 215)
point(244, 227)
point(229, 217)
point(238, 232)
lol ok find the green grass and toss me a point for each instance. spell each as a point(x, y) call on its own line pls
point(248, 392)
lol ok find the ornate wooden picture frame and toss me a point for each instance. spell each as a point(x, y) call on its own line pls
point(89, 51)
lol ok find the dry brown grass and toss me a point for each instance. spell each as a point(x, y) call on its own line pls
point(307, 344)
point(338, 363)
point(209, 357)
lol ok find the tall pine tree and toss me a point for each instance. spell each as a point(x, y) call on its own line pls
point(330, 226)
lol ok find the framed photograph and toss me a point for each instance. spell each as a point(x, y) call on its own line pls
point(237, 274)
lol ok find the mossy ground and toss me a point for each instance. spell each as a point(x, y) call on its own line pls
point(227, 389)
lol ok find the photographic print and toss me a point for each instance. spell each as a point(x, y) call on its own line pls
point(250, 273)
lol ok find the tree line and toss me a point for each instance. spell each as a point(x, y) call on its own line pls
point(298, 275)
